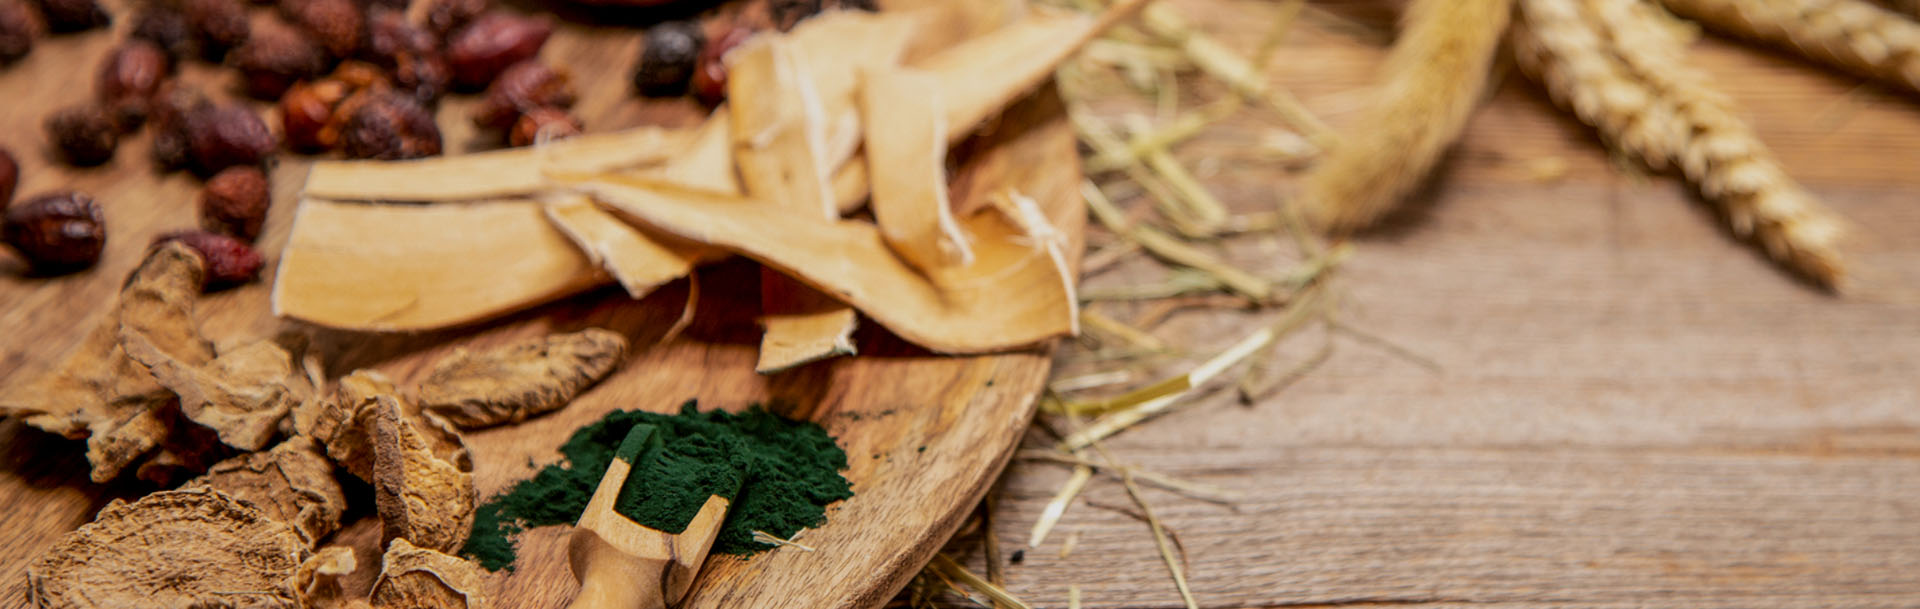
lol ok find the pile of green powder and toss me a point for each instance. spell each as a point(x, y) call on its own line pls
point(787, 472)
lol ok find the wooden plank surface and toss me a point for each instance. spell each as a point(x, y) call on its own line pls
point(925, 434)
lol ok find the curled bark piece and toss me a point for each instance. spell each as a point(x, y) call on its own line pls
point(639, 261)
point(708, 162)
point(488, 175)
point(980, 76)
point(188, 549)
point(1430, 84)
point(906, 141)
point(420, 578)
point(511, 382)
point(293, 483)
point(779, 126)
point(399, 268)
point(802, 325)
point(1012, 295)
point(420, 497)
point(316, 583)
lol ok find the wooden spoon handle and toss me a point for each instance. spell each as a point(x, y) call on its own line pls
point(612, 579)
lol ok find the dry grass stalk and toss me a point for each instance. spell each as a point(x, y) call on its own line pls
point(1149, 141)
point(1854, 35)
point(1136, 337)
point(1173, 250)
point(1066, 547)
point(1057, 507)
point(1207, 209)
point(1073, 597)
point(769, 538)
point(1609, 63)
point(1432, 80)
point(1096, 135)
point(946, 567)
point(1229, 67)
point(1089, 381)
point(1203, 492)
point(1120, 420)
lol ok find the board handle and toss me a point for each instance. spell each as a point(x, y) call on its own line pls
point(613, 579)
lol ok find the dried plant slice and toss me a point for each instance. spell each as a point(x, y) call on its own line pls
point(980, 76)
point(293, 483)
point(412, 577)
point(803, 325)
point(511, 382)
point(194, 548)
point(317, 582)
point(420, 497)
point(343, 423)
point(778, 126)
point(417, 267)
point(833, 50)
point(906, 167)
point(1012, 295)
point(156, 306)
point(640, 262)
point(707, 164)
point(242, 394)
point(490, 175)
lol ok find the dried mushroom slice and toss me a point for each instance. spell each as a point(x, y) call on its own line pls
point(343, 423)
point(511, 382)
point(420, 497)
point(188, 549)
point(316, 583)
point(412, 577)
point(293, 483)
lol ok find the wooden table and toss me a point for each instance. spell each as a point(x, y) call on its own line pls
point(1635, 409)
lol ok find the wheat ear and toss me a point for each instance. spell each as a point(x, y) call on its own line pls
point(1854, 35)
point(1608, 62)
point(1432, 79)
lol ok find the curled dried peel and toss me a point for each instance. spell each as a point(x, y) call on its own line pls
point(1012, 295)
point(511, 382)
point(494, 174)
point(412, 577)
point(416, 267)
point(293, 483)
point(187, 549)
point(420, 497)
point(316, 583)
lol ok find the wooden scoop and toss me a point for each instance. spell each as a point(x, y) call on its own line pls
point(623, 565)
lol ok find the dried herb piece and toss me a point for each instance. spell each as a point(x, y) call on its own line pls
point(343, 424)
point(511, 382)
point(906, 145)
point(641, 262)
point(194, 548)
point(492, 174)
point(242, 394)
point(421, 498)
point(293, 483)
point(316, 583)
point(412, 577)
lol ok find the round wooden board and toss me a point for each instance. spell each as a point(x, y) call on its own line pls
point(925, 434)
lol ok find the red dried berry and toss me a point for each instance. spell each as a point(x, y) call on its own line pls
point(20, 25)
point(306, 113)
point(225, 136)
point(667, 61)
point(481, 50)
point(425, 77)
point(710, 74)
point(74, 15)
point(446, 16)
point(543, 124)
point(9, 177)
point(274, 57)
point(56, 232)
point(218, 24)
point(129, 78)
point(169, 118)
point(85, 134)
point(235, 202)
point(166, 27)
point(524, 86)
point(390, 126)
point(337, 25)
point(230, 262)
point(390, 34)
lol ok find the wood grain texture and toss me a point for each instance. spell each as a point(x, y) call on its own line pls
point(925, 434)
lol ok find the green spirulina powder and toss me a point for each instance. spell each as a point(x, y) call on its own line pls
point(787, 472)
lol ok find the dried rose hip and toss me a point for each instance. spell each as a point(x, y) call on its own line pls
point(445, 16)
point(337, 25)
point(548, 123)
point(9, 177)
point(525, 86)
point(235, 202)
point(481, 50)
point(169, 117)
point(20, 25)
point(225, 136)
point(74, 15)
point(390, 34)
point(218, 24)
point(166, 27)
point(390, 126)
point(423, 76)
point(667, 62)
point(230, 261)
point(85, 134)
point(274, 57)
point(129, 79)
point(710, 74)
point(56, 232)
point(306, 114)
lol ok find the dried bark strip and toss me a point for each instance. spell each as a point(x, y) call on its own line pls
point(511, 382)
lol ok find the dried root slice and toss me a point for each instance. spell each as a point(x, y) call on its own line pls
point(707, 164)
point(1610, 63)
point(317, 582)
point(1854, 35)
point(343, 423)
point(803, 325)
point(1012, 295)
point(399, 268)
point(639, 261)
point(1431, 82)
point(778, 126)
point(293, 483)
point(412, 577)
point(981, 76)
point(906, 141)
point(242, 394)
point(420, 497)
point(187, 549)
point(513, 172)
point(515, 381)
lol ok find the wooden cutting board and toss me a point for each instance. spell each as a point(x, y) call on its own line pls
point(925, 434)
